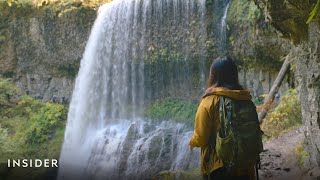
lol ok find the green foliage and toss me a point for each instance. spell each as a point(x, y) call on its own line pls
point(180, 174)
point(182, 111)
point(9, 7)
point(244, 12)
point(285, 116)
point(95, 3)
point(44, 122)
point(302, 154)
point(7, 90)
point(69, 70)
point(253, 41)
point(259, 100)
point(6, 145)
point(31, 128)
point(313, 12)
point(163, 55)
point(30, 8)
point(253, 12)
point(25, 107)
point(209, 2)
point(55, 3)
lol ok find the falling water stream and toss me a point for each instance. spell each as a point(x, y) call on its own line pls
point(223, 29)
point(107, 135)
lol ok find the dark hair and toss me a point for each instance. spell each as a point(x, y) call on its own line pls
point(224, 73)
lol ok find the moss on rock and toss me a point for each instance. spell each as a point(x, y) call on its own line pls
point(252, 40)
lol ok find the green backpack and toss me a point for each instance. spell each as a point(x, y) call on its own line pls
point(239, 140)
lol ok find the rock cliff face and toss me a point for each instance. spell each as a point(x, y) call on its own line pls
point(290, 17)
point(257, 47)
point(42, 53)
point(253, 40)
point(308, 77)
point(260, 81)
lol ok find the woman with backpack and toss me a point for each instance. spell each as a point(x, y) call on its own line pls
point(226, 126)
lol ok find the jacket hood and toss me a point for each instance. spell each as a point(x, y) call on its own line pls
point(233, 94)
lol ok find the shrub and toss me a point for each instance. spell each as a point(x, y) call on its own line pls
point(7, 91)
point(44, 122)
point(6, 144)
point(302, 154)
point(285, 116)
point(30, 128)
point(26, 106)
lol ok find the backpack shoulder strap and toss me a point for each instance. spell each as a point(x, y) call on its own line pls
point(222, 116)
point(226, 115)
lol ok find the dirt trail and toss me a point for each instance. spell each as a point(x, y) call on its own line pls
point(279, 161)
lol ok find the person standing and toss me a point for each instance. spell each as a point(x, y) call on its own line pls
point(226, 126)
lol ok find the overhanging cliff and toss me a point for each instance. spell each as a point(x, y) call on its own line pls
point(290, 17)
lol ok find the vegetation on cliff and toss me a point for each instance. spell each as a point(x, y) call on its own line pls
point(55, 7)
point(252, 40)
point(29, 128)
point(181, 111)
point(283, 117)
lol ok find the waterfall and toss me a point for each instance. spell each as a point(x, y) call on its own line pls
point(223, 29)
point(107, 135)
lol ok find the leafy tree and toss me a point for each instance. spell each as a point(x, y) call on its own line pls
point(7, 91)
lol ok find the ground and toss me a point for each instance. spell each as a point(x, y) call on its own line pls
point(279, 161)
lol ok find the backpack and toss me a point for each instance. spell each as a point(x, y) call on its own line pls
point(239, 140)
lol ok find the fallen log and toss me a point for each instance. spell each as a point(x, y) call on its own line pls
point(274, 89)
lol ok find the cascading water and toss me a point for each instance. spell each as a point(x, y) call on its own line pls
point(107, 136)
point(223, 29)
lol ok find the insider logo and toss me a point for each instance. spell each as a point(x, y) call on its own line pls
point(25, 163)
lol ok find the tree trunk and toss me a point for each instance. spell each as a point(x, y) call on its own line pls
point(274, 89)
